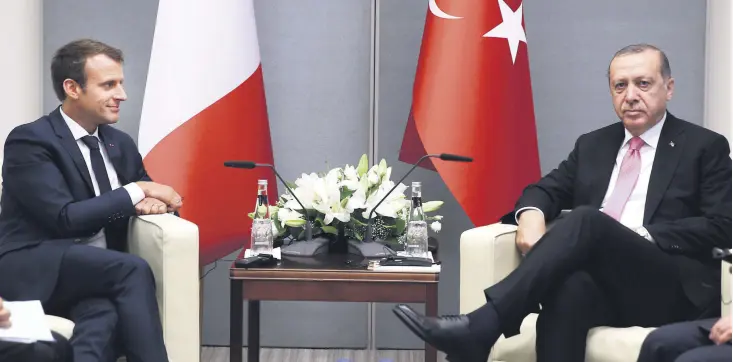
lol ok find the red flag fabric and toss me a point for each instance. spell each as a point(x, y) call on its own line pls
point(205, 104)
point(472, 96)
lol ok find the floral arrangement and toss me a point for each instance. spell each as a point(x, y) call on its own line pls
point(344, 197)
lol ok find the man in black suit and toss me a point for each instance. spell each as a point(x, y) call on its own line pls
point(70, 184)
point(707, 340)
point(57, 351)
point(651, 198)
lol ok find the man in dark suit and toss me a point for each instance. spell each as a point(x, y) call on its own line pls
point(707, 340)
point(650, 199)
point(70, 184)
point(57, 351)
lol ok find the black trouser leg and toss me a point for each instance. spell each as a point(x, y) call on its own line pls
point(576, 306)
point(641, 281)
point(124, 279)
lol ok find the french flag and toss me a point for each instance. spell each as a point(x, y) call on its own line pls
point(204, 104)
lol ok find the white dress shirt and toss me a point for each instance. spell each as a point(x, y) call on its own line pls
point(136, 193)
point(632, 215)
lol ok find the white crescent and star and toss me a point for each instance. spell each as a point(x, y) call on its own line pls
point(440, 13)
point(510, 28)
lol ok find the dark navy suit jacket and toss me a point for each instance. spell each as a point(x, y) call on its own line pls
point(688, 203)
point(48, 202)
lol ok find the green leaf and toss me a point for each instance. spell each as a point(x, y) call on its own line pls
point(357, 221)
point(400, 223)
point(295, 223)
point(251, 215)
point(346, 193)
point(431, 206)
point(363, 165)
point(330, 229)
point(292, 185)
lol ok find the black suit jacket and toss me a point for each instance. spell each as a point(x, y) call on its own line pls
point(688, 203)
point(48, 202)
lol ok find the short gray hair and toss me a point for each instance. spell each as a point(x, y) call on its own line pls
point(638, 48)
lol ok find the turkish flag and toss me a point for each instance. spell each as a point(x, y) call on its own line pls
point(205, 104)
point(472, 96)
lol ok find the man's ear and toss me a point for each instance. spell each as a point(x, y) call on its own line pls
point(670, 88)
point(72, 88)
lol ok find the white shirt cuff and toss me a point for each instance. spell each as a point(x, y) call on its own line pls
point(642, 231)
point(136, 192)
point(516, 214)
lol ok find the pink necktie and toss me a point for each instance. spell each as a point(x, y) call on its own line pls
point(627, 176)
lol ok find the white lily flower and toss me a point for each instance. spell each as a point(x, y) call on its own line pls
point(350, 173)
point(305, 191)
point(275, 231)
point(351, 178)
point(436, 226)
point(373, 177)
point(328, 200)
point(284, 215)
point(387, 174)
point(386, 208)
point(357, 199)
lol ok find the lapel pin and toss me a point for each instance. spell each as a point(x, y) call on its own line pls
point(671, 144)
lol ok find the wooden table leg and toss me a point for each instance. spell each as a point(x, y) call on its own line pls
point(253, 331)
point(236, 330)
point(431, 310)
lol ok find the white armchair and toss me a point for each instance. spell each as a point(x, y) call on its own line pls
point(170, 245)
point(488, 254)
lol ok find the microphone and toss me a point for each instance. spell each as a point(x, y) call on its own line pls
point(442, 156)
point(450, 157)
point(250, 165)
point(240, 164)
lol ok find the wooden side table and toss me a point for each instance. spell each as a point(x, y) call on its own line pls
point(328, 278)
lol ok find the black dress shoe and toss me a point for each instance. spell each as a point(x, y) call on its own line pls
point(449, 334)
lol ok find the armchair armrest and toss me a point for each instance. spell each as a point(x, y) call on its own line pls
point(725, 280)
point(170, 245)
point(487, 255)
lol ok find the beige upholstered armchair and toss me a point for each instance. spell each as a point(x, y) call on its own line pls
point(488, 254)
point(171, 246)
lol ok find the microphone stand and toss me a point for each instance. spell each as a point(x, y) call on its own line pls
point(371, 249)
point(308, 247)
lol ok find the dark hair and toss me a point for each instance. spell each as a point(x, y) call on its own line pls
point(638, 48)
point(69, 62)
